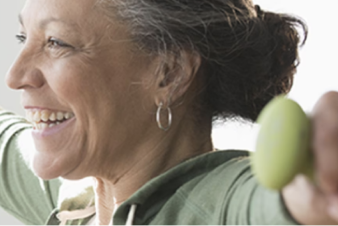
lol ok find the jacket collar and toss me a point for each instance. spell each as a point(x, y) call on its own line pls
point(152, 196)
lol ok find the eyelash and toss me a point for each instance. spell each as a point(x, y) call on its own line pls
point(21, 38)
point(53, 43)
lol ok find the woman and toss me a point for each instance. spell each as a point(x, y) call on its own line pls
point(125, 92)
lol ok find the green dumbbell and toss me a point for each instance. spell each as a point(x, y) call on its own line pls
point(283, 144)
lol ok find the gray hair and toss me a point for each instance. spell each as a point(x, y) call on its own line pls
point(250, 55)
point(162, 26)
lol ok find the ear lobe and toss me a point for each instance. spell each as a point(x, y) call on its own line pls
point(176, 76)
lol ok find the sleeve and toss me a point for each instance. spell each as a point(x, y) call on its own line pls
point(248, 203)
point(22, 194)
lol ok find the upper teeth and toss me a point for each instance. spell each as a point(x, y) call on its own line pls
point(45, 115)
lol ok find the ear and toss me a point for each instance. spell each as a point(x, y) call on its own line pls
point(175, 76)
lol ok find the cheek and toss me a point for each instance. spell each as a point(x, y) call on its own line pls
point(104, 97)
point(74, 80)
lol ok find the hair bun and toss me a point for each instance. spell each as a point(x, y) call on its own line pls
point(284, 34)
point(258, 11)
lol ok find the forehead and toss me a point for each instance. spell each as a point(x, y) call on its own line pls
point(75, 12)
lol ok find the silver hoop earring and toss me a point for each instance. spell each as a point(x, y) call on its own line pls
point(158, 118)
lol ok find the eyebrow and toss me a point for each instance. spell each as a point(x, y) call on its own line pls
point(47, 21)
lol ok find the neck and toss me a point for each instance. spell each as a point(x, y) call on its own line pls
point(147, 162)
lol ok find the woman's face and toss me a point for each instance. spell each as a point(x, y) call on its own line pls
point(83, 86)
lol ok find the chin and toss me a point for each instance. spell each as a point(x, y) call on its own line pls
point(48, 167)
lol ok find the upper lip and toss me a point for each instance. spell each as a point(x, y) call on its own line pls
point(39, 108)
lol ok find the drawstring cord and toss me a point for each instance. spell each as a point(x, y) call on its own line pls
point(65, 216)
point(131, 215)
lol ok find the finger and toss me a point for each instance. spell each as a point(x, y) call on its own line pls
point(303, 197)
point(325, 142)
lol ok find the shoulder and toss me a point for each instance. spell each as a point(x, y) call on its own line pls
point(234, 164)
point(212, 191)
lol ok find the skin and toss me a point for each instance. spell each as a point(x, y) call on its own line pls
point(318, 204)
point(114, 91)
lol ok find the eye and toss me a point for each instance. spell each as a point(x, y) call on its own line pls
point(21, 38)
point(55, 43)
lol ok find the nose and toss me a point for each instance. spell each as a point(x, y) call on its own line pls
point(24, 73)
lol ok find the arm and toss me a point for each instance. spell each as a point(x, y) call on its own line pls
point(22, 194)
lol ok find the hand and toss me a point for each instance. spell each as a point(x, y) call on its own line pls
point(325, 147)
point(318, 203)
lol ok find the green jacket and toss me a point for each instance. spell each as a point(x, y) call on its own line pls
point(215, 188)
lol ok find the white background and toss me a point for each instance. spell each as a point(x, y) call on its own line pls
point(316, 75)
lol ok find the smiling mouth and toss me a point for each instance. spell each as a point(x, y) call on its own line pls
point(44, 119)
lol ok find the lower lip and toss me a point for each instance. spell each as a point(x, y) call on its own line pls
point(53, 130)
